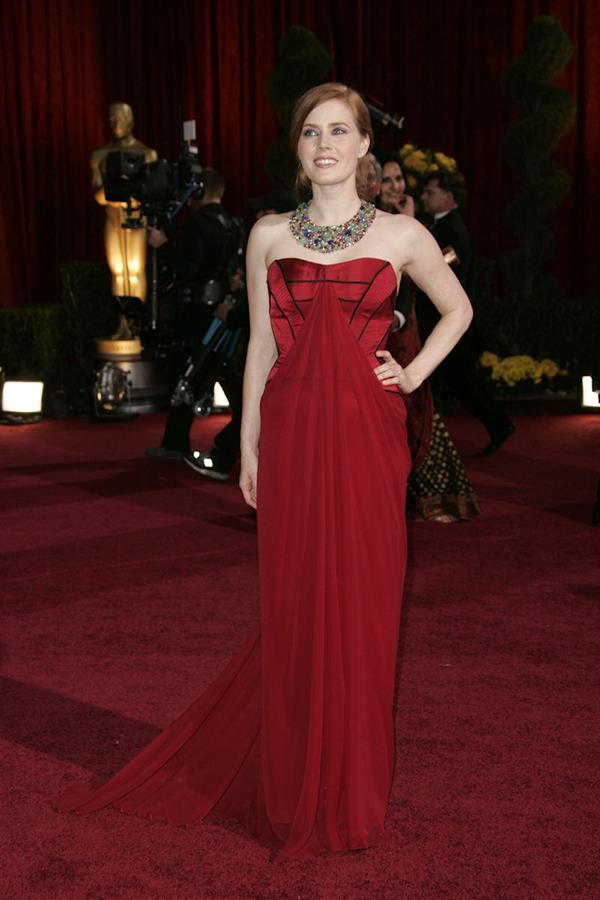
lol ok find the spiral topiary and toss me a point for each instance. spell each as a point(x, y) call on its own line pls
point(303, 63)
point(547, 113)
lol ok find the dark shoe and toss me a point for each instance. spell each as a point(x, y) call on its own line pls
point(498, 439)
point(203, 463)
point(163, 453)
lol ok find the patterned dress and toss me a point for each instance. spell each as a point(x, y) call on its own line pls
point(438, 487)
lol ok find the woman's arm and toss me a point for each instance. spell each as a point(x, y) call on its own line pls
point(262, 353)
point(426, 267)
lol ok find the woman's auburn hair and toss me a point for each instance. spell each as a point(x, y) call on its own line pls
point(332, 90)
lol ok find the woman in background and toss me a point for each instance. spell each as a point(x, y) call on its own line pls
point(438, 488)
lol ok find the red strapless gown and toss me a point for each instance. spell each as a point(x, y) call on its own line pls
point(295, 737)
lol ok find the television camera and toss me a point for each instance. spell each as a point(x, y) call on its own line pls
point(153, 195)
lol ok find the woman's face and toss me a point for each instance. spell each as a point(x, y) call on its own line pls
point(393, 186)
point(330, 144)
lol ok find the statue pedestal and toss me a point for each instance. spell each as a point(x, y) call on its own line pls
point(109, 349)
point(148, 388)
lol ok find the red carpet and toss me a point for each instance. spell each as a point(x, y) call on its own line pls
point(127, 585)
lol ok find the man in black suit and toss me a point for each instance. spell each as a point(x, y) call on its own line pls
point(443, 194)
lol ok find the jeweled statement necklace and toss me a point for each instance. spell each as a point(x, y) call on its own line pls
point(328, 238)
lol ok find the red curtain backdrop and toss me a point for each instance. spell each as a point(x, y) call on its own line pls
point(438, 64)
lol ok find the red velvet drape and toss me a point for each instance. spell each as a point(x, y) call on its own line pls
point(62, 63)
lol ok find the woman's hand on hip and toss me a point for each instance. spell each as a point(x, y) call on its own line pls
point(391, 372)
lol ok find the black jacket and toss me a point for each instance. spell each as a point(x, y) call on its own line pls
point(206, 247)
point(449, 231)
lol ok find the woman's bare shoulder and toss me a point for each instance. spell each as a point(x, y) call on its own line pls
point(267, 236)
point(266, 232)
point(396, 225)
point(270, 225)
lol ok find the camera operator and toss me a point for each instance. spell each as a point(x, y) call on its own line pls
point(218, 462)
point(202, 263)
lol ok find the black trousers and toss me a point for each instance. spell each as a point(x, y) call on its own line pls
point(227, 442)
point(189, 327)
point(460, 373)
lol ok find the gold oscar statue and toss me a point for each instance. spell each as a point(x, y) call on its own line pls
point(125, 247)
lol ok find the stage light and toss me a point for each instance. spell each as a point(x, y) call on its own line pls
point(111, 388)
point(589, 398)
point(22, 402)
point(220, 401)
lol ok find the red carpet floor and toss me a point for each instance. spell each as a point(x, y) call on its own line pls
point(127, 585)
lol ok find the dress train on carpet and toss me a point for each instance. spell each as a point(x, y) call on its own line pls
point(295, 738)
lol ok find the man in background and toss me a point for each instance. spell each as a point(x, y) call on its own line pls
point(443, 195)
point(202, 263)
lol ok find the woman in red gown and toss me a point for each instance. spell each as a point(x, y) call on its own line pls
point(295, 737)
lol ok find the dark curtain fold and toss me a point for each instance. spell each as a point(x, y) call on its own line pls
point(62, 63)
point(50, 92)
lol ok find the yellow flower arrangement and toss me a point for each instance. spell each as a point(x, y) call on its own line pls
point(513, 369)
point(488, 359)
point(446, 162)
point(417, 163)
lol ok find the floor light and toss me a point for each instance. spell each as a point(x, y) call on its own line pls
point(22, 402)
point(589, 398)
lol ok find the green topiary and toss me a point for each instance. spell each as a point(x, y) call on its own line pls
point(537, 333)
point(280, 164)
point(547, 113)
point(303, 63)
point(88, 308)
point(48, 341)
point(31, 341)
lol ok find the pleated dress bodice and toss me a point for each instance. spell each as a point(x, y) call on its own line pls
point(364, 287)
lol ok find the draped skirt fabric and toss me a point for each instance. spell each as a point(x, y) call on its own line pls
point(295, 737)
